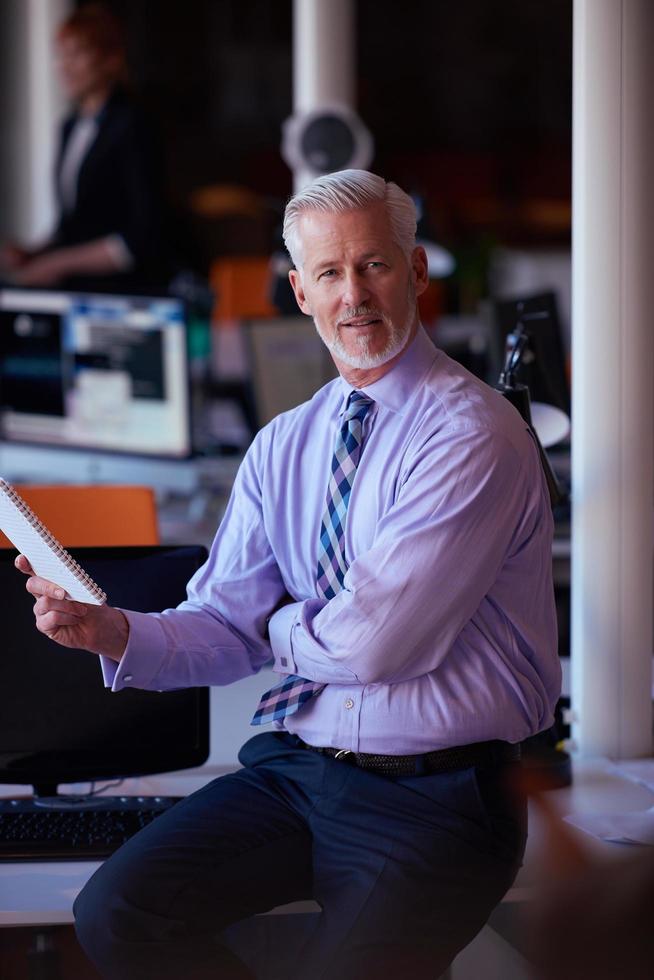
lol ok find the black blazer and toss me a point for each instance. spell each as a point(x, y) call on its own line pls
point(120, 190)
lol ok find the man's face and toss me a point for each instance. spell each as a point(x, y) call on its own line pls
point(358, 285)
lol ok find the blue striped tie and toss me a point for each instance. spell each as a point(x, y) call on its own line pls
point(290, 694)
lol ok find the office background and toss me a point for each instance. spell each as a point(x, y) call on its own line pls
point(470, 108)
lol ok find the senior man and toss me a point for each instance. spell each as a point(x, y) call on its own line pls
point(387, 544)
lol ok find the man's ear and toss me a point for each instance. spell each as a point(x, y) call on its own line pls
point(295, 279)
point(419, 269)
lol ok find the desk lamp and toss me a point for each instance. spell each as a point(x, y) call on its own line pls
point(548, 765)
point(518, 394)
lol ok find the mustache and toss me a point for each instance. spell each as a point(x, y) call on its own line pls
point(360, 311)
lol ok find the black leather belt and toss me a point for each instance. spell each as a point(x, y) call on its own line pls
point(441, 760)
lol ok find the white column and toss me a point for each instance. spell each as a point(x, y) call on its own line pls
point(323, 54)
point(323, 57)
point(32, 107)
point(613, 378)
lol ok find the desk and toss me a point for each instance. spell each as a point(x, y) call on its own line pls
point(38, 893)
point(42, 893)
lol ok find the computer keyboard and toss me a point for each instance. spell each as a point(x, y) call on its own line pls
point(69, 829)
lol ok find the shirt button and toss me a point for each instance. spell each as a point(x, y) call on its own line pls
point(127, 678)
point(349, 703)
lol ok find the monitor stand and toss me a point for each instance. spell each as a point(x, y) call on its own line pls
point(26, 463)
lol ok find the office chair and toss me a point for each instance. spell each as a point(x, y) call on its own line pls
point(97, 516)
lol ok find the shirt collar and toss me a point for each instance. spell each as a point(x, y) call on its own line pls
point(394, 389)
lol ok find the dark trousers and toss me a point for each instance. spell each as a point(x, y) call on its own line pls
point(406, 870)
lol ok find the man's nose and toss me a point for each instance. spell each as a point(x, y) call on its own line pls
point(355, 290)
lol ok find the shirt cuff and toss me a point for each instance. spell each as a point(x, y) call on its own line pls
point(280, 631)
point(143, 656)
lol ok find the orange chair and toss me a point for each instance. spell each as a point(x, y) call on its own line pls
point(96, 516)
point(242, 287)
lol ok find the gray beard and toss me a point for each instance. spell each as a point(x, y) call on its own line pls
point(364, 359)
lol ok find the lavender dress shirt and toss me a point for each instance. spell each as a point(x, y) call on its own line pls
point(445, 630)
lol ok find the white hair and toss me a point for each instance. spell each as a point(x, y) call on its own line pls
point(350, 190)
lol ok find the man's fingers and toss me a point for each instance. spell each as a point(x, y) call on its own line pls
point(40, 586)
point(54, 620)
point(23, 565)
point(68, 607)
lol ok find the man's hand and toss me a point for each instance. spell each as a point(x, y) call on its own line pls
point(100, 629)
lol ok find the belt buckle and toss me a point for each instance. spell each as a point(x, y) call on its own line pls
point(343, 753)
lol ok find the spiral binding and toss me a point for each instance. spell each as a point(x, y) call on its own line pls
point(58, 549)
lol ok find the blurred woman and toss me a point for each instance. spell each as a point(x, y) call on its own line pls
point(108, 173)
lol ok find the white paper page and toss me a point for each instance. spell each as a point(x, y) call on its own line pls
point(638, 770)
point(636, 827)
point(45, 562)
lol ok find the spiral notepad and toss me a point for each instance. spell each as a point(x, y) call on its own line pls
point(48, 558)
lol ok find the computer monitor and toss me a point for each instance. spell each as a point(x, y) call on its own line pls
point(98, 372)
point(288, 363)
point(58, 723)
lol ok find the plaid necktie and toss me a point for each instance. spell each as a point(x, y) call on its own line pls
point(290, 694)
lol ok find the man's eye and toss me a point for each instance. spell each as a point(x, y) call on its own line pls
point(327, 274)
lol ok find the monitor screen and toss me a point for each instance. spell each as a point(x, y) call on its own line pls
point(58, 723)
point(288, 364)
point(94, 371)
